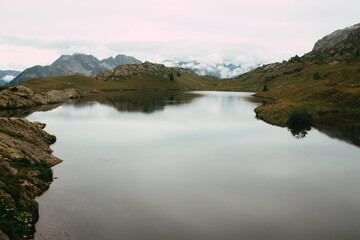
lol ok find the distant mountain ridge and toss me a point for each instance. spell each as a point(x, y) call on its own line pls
point(336, 37)
point(128, 77)
point(74, 64)
point(6, 75)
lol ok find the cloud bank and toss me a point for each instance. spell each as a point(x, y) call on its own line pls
point(160, 30)
point(8, 78)
point(215, 65)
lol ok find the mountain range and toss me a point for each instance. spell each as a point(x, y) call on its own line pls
point(74, 64)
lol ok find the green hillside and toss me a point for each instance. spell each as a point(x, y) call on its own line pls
point(68, 82)
point(147, 76)
point(324, 81)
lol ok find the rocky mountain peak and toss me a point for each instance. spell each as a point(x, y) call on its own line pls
point(77, 63)
point(335, 37)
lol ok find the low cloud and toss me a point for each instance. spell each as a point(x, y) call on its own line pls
point(215, 65)
point(8, 78)
point(19, 53)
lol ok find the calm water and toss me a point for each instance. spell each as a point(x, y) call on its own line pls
point(193, 166)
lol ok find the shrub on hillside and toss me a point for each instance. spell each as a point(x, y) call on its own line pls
point(296, 58)
point(317, 76)
point(171, 77)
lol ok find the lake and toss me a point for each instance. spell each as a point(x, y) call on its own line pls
point(197, 165)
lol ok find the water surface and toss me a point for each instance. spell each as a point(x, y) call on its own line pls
point(193, 166)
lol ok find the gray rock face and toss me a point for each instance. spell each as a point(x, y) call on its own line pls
point(120, 59)
point(335, 37)
point(74, 64)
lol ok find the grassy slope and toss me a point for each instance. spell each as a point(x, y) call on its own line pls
point(69, 81)
point(155, 76)
point(134, 82)
point(291, 84)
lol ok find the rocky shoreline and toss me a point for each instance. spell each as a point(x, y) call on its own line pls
point(25, 159)
point(23, 97)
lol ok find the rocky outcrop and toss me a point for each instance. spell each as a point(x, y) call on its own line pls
point(25, 172)
point(74, 64)
point(23, 97)
point(335, 37)
point(25, 157)
point(146, 69)
point(21, 139)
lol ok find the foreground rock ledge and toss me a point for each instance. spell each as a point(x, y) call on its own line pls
point(25, 172)
point(23, 97)
point(25, 159)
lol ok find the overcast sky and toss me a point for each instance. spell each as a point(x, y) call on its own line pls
point(38, 31)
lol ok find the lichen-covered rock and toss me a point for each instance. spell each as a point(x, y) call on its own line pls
point(25, 158)
point(25, 161)
point(20, 138)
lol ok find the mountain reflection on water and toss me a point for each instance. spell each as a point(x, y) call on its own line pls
point(342, 127)
point(146, 101)
point(206, 170)
point(24, 112)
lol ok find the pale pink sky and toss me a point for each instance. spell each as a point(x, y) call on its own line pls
point(38, 31)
